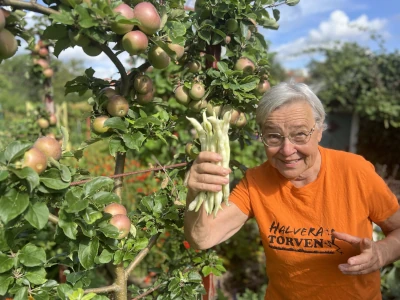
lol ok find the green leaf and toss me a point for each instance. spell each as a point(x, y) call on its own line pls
point(95, 185)
point(5, 282)
point(30, 175)
point(74, 202)
point(51, 178)
point(65, 173)
point(194, 276)
point(61, 45)
point(64, 290)
point(277, 14)
point(55, 32)
point(37, 215)
point(67, 224)
point(104, 198)
point(36, 275)
point(63, 18)
point(292, 2)
point(87, 252)
point(116, 123)
point(115, 145)
point(15, 150)
point(134, 141)
point(6, 263)
point(90, 216)
point(32, 256)
point(3, 175)
point(222, 67)
point(205, 35)
point(12, 204)
point(105, 256)
point(22, 294)
point(109, 230)
point(206, 270)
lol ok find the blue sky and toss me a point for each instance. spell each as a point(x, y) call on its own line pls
point(310, 23)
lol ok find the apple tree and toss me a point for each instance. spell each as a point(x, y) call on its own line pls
point(58, 223)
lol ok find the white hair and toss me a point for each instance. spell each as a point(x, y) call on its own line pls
point(285, 93)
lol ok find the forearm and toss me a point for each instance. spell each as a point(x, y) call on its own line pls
point(197, 226)
point(390, 247)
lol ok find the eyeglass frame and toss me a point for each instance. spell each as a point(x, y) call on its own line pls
point(282, 138)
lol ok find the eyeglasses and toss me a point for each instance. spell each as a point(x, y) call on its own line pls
point(296, 138)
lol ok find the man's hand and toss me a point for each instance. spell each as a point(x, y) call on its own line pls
point(369, 259)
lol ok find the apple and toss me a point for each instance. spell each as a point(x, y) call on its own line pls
point(78, 38)
point(126, 11)
point(43, 123)
point(244, 64)
point(142, 84)
point(182, 95)
point(2, 20)
point(231, 25)
point(117, 106)
point(234, 113)
point(178, 49)
point(42, 62)
point(8, 44)
point(145, 98)
point(194, 66)
point(147, 14)
point(53, 119)
point(262, 87)
point(241, 121)
point(115, 209)
point(98, 124)
point(158, 58)
point(197, 91)
point(49, 146)
point(122, 223)
point(135, 42)
point(92, 50)
point(48, 73)
point(35, 159)
point(197, 106)
point(43, 52)
point(191, 150)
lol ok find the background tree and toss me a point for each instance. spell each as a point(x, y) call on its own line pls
point(355, 79)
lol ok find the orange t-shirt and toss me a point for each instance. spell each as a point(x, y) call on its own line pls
point(296, 225)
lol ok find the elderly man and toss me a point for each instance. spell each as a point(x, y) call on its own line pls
point(314, 206)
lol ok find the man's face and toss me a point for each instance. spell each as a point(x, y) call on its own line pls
point(293, 161)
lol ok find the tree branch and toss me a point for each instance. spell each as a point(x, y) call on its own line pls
point(120, 67)
point(53, 219)
point(142, 254)
point(103, 289)
point(31, 6)
point(147, 292)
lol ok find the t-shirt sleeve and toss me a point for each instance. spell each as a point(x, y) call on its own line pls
point(241, 196)
point(382, 202)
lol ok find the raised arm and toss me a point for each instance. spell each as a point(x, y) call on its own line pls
point(201, 230)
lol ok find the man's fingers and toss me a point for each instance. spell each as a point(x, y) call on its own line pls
point(357, 269)
point(346, 237)
point(209, 168)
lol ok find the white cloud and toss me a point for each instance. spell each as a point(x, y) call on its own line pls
point(339, 28)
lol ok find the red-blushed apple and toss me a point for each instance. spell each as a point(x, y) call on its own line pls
point(126, 11)
point(49, 146)
point(147, 14)
point(135, 42)
point(122, 223)
point(244, 64)
point(35, 159)
point(115, 209)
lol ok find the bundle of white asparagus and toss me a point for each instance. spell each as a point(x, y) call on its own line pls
point(213, 136)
